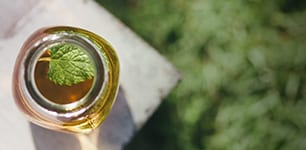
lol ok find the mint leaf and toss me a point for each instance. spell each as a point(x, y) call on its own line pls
point(69, 65)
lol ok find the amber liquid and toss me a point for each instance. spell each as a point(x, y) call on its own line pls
point(59, 94)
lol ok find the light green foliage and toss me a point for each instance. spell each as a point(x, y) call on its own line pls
point(244, 72)
point(69, 65)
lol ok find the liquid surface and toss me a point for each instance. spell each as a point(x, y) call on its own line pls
point(59, 94)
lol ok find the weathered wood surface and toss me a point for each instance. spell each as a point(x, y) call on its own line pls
point(146, 77)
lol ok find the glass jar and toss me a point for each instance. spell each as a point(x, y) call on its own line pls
point(50, 105)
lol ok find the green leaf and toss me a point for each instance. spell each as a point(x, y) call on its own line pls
point(69, 65)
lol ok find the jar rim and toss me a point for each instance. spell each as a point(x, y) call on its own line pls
point(71, 109)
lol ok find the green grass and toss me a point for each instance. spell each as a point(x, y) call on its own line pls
point(243, 64)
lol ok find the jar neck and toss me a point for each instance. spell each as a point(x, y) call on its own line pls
point(40, 102)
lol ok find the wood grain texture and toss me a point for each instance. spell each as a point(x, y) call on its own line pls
point(146, 77)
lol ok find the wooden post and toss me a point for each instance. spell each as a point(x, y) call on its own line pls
point(146, 76)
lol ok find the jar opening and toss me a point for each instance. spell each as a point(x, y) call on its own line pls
point(59, 94)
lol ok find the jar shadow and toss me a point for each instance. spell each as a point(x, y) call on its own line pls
point(114, 133)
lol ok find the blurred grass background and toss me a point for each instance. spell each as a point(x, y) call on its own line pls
point(243, 64)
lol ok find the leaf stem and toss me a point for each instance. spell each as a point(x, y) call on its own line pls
point(45, 59)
